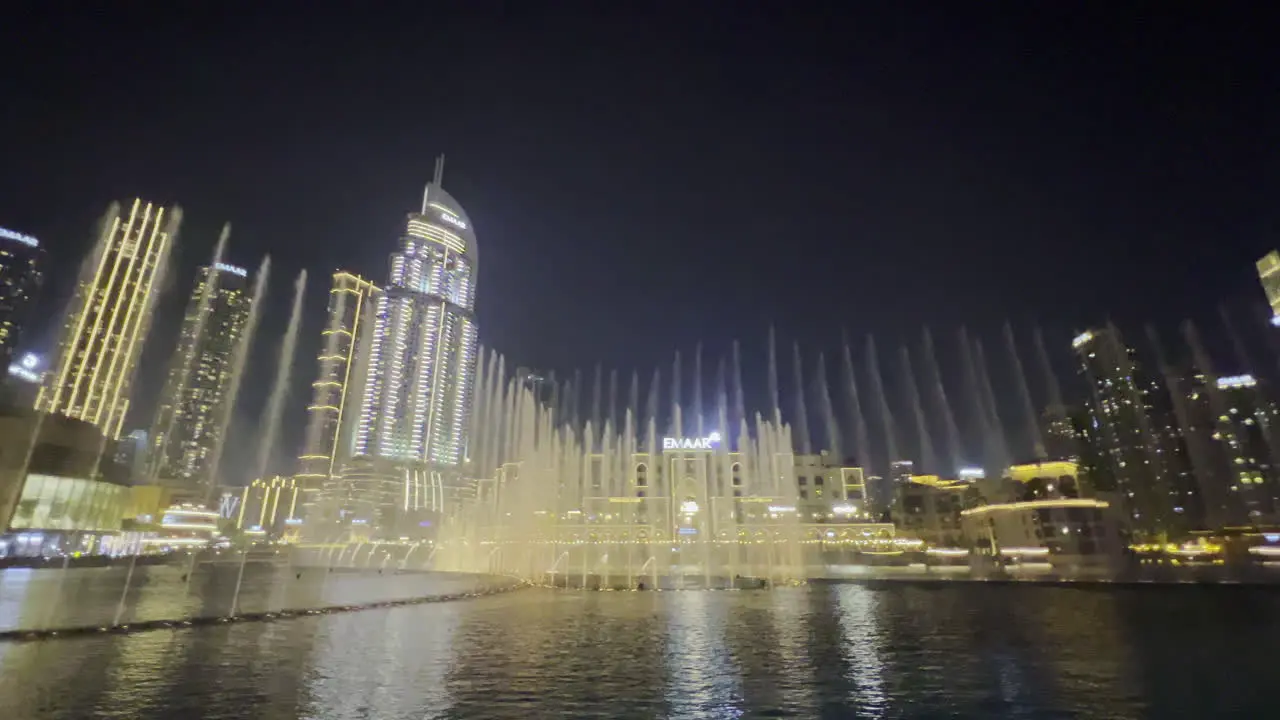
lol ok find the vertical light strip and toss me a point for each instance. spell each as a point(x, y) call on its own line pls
point(135, 317)
point(244, 500)
point(95, 394)
point(71, 342)
point(98, 299)
point(346, 373)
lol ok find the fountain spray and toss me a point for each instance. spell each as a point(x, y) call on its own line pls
point(270, 425)
point(182, 378)
point(802, 410)
point(1024, 394)
point(238, 364)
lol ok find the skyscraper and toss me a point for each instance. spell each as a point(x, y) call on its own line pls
point(109, 317)
point(191, 420)
point(1124, 455)
point(21, 275)
point(416, 398)
point(335, 393)
point(1269, 276)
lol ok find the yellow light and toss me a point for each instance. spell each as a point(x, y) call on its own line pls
point(1037, 504)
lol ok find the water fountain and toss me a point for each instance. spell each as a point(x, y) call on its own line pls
point(691, 511)
point(271, 415)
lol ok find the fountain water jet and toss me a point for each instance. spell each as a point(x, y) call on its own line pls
point(275, 402)
point(955, 450)
point(239, 362)
point(1024, 396)
point(861, 442)
point(828, 411)
point(927, 459)
point(801, 423)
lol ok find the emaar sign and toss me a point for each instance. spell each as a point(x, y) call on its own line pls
point(709, 442)
point(453, 220)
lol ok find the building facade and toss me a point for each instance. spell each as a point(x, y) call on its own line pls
point(191, 420)
point(58, 494)
point(1124, 448)
point(21, 275)
point(421, 370)
point(110, 316)
point(417, 377)
point(347, 338)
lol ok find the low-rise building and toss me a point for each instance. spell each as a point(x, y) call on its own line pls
point(60, 491)
point(1037, 514)
point(928, 507)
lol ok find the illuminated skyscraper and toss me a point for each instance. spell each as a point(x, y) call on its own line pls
point(416, 398)
point(1269, 276)
point(21, 275)
point(1124, 454)
point(191, 420)
point(109, 317)
point(335, 393)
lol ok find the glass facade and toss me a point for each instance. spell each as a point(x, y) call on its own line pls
point(50, 502)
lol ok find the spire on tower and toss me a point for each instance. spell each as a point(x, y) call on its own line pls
point(436, 178)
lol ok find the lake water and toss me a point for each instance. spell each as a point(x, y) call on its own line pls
point(822, 651)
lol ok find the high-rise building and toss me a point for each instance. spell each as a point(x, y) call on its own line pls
point(21, 274)
point(335, 394)
point(109, 317)
point(1245, 429)
point(192, 417)
point(1269, 276)
point(416, 398)
point(1125, 455)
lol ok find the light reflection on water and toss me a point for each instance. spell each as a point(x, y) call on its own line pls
point(830, 651)
point(860, 649)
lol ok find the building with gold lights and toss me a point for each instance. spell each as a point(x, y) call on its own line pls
point(269, 506)
point(110, 315)
point(191, 420)
point(347, 336)
point(1269, 276)
point(1044, 514)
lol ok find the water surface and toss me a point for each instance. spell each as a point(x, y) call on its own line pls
point(830, 651)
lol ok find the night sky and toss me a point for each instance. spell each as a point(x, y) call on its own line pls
point(642, 181)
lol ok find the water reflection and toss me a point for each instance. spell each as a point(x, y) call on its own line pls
point(962, 650)
point(861, 637)
point(703, 680)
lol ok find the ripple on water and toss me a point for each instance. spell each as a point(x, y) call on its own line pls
point(822, 651)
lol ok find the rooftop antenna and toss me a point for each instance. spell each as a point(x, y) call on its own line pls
point(436, 178)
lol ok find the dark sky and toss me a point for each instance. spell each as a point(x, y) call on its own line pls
point(642, 180)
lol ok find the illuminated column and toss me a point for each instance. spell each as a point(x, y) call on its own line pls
point(348, 330)
point(109, 317)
